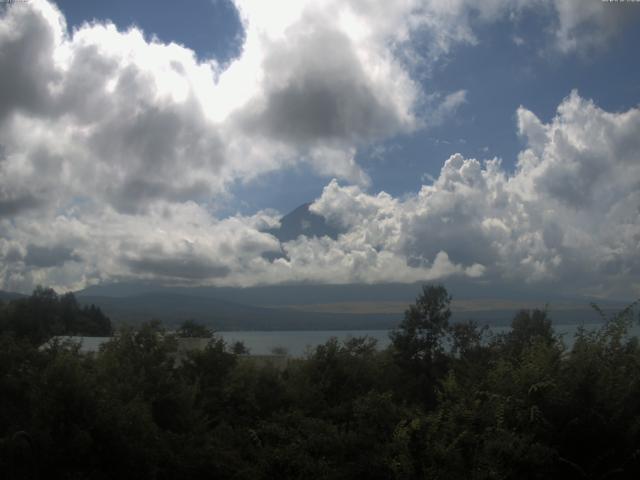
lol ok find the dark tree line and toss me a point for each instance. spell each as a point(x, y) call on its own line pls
point(443, 401)
point(45, 314)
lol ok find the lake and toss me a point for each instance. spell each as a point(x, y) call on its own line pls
point(298, 342)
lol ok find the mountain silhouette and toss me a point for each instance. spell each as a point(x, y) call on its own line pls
point(302, 221)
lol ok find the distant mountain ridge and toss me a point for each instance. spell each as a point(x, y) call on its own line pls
point(299, 307)
point(6, 296)
point(305, 307)
point(173, 308)
point(303, 221)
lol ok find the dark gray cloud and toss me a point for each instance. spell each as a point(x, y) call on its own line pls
point(134, 195)
point(317, 90)
point(27, 64)
point(461, 237)
point(151, 150)
point(12, 204)
point(13, 255)
point(181, 267)
point(44, 257)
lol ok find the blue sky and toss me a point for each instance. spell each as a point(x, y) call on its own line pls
point(492, 142)
point(211, 28)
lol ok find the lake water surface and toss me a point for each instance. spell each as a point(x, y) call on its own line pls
point(297, 343)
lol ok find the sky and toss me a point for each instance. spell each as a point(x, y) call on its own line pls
point(494, 141)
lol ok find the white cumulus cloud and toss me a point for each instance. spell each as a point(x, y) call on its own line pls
point(570, 213)
point(116, 148)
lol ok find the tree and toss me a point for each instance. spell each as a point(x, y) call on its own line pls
point(418, 341)
point(279, 350)
point(239, 348)
point(418, 338)
point(467, 338)
point(528, 327)
point(45, 314)
point(192, 329)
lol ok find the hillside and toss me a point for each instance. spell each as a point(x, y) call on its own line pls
point(172, 308)
point(6, 296)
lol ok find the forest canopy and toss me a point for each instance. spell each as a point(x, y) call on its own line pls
point(444, 400)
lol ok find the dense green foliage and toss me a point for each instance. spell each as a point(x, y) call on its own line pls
point(443, 401)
